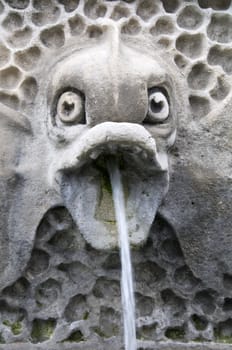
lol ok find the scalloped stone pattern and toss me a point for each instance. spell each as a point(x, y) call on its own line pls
point(70, 292)
point(196, 34)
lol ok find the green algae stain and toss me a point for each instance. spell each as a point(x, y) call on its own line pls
point(42, 330)
point(16, 327)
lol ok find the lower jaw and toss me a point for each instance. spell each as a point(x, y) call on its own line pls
point(87, 194)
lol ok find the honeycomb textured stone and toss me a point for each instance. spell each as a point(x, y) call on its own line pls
point(69, 293)
point(48, 291)
point(18, 4)
point(196, 31)
point(215, 4)
point(190, 18)
point(200, 76)
point(191, 45)
point(220, 28)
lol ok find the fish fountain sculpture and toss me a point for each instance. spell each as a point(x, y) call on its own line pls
point(107, 99)
point(103, 89)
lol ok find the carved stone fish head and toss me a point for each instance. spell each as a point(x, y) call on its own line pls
point(112, 98)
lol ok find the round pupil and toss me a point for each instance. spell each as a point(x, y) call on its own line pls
point(156, 107)
point(67, 107)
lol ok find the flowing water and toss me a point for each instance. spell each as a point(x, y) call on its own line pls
point(127, 292)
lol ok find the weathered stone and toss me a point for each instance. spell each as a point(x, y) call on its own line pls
point(150, 84)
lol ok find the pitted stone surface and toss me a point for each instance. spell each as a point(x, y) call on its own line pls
point(199, 31)
point(64, 294)
point(79, 288)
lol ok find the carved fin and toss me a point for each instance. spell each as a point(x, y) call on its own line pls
point(12, 118)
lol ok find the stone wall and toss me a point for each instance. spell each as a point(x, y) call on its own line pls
point(146, 81)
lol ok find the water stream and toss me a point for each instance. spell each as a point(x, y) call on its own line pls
point(127, 291)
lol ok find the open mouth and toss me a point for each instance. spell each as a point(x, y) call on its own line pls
point(86, 188)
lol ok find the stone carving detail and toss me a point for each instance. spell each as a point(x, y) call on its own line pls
point(84, 80)
point(78, 287)
point(94, 115)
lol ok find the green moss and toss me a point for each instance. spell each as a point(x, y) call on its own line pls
point(105, 178)
point(221, 338)
point(110, 222)
point(101, 165)
point(175, 333)
point(42, 330)
point(86, 315)
point(16, 327)
point(225, 340)
point(199, 322)
point(105, 182)
point(75, 337)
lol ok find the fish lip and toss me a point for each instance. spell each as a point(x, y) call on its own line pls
point(141, 161)
point(112, 139)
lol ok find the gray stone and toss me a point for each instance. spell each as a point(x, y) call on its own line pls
point(150, 86)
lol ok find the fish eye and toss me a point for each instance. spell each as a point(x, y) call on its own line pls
point(158, 106)
point(70, 107)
